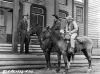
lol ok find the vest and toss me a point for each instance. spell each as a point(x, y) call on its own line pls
point(69, 27)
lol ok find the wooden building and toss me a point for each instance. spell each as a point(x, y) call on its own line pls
point(94, 21)
point(39, 11)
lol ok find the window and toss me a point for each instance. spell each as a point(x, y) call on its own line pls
point(37, 10)
point(64, 2)
point(37, 15)
point(80, 0)
point(9, 0)
point(1, 18)
point(79, 14)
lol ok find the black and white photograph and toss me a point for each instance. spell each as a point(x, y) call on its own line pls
point(49, 36)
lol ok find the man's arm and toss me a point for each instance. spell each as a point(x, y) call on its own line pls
point(19, 27)
point(75, 27)
point(58, 25)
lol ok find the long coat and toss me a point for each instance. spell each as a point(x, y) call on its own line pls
point(56, 25)
point(22, 26)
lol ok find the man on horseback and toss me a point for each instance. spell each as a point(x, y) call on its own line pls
point(71, 27)
point(57, 23)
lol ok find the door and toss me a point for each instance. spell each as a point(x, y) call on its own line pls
point(37, 15)
point(2, 27)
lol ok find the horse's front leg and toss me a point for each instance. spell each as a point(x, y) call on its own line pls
point(65, 61)
point(47, 57)
point(59, 61)
point(69, 59)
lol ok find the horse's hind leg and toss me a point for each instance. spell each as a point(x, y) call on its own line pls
point(88, 55)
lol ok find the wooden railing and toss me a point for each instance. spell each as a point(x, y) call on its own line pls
point(95, 42)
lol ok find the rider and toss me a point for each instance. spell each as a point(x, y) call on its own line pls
point(57, 23)
point(72, 28)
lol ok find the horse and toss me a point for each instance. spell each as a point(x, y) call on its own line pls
point(46, 45)
point(84, 44)
point(60, 46)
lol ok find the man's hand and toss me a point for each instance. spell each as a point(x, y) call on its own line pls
point(70, 33)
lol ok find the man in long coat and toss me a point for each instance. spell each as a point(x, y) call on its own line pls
point(22, 28)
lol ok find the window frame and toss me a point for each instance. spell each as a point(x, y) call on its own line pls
point(65, 3)
point(80, 14)
point(2, 14)
point(8, 0)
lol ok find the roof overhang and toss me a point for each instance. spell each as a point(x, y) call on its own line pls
point(6, 4)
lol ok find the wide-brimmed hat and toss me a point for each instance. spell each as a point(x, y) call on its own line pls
point(69, 17)
point(55, 16)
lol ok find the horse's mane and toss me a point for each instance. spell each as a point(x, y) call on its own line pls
point(35, 28)
point(56, 34)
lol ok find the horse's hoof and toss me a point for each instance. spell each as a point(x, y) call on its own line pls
point(47, 68)
point(89, 70)
point(57, 70)
point(68, 65)
point(65, 72)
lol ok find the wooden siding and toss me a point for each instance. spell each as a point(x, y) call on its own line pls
point(67, 7)
point(94, 20)
point(50, 12)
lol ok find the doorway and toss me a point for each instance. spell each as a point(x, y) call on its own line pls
point(37, 15)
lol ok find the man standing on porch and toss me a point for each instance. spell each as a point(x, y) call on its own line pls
point(22, 28)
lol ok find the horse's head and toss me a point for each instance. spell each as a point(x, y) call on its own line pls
point(32, 30)
point(45, 34)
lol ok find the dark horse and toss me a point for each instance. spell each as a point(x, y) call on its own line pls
point(60, 46)
point(46, 45)
point(83, 44)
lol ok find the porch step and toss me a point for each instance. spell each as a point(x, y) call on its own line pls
point(34, 60)
point(34, 40)
point(23, 61)
point(32, 48)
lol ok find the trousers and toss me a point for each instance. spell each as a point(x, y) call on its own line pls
point(24, 40)
point(72, 40)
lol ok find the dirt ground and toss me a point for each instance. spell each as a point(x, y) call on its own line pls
point(75, 69)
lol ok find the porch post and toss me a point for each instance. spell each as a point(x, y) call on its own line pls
point(56, 7)
point(86, 17)
point(73, 8)
point(15, 22)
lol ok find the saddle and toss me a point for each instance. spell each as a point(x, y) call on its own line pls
point(67, 36)
point(81, 39)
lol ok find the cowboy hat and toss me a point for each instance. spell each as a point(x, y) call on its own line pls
point(55, 16)
point(68, 17)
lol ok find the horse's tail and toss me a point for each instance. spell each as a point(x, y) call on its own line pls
point(91, 49)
